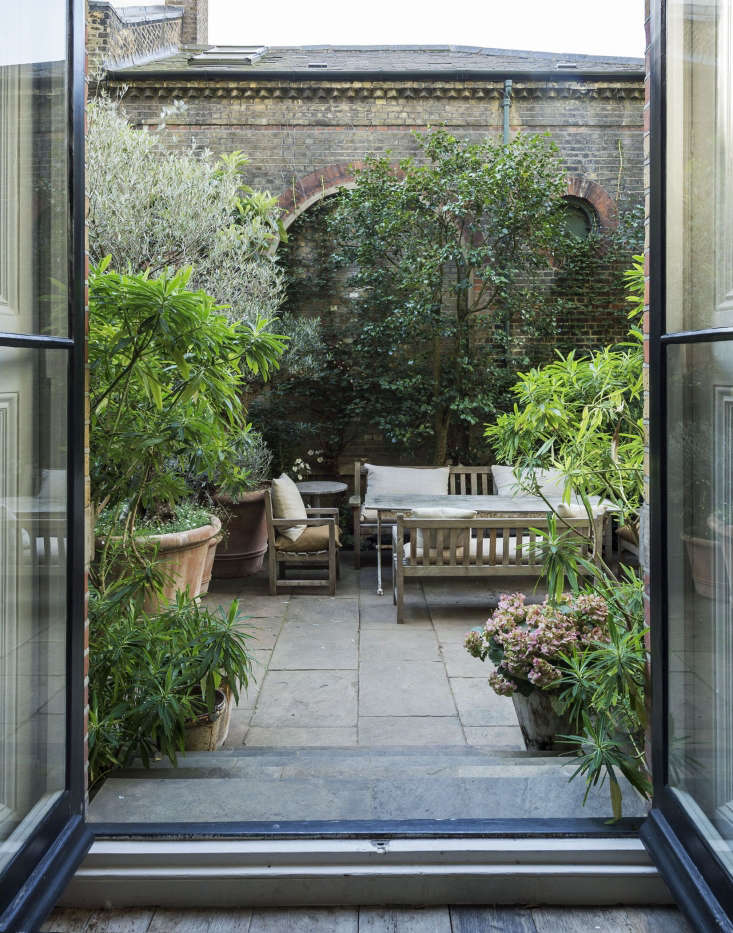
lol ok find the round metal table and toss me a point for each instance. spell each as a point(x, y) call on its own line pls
point(314, 489)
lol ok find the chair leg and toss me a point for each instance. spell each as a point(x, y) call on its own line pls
point(272, 567)
point(357, 540)
point(338, 565)
point(400, 599)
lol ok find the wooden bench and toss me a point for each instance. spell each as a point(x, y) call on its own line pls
point(462, 481)
point(485, 556)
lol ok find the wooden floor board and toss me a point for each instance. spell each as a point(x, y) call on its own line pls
point(491, 920)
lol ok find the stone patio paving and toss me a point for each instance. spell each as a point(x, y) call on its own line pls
point(354, 717)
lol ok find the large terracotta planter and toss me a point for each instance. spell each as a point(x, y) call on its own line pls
point(182, 559)
point(243, 551)
point(701, 554)
point(539, 722)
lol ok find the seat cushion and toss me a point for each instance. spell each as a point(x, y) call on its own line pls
point(485, 555)
point(287, 502)
point(428, 481)
point(311, 539)
point(551, 482)
point(443, 512)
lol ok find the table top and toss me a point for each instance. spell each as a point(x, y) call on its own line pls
point(321, 487)
point(505, 505)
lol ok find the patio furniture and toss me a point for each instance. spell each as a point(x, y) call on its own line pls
point(314, 489)
point(316, 545)
point(479, 547)
point(387, 507)
point(454, 480)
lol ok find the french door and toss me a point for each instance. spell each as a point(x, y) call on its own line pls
point(42, 831)
point(690, 830)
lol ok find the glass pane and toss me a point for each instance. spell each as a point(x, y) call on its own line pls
point(700, 572)
point(34, 201)
point(33, 536)
point(699, 165)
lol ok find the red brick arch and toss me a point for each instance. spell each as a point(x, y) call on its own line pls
point(603, 204)
point(306, 191)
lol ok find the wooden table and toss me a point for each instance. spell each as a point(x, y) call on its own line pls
point(317, 488)
point(493, 506)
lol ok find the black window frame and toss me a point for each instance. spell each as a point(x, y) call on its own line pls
point(34, 879)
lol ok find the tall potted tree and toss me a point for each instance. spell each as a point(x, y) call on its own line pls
point(165, 370)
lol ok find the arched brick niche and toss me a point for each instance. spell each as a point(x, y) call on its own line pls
point(314, 187)
point(600, 200)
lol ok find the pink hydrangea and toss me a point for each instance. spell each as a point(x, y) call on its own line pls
point(530, 639)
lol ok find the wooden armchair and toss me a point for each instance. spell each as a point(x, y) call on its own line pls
point(317, 545)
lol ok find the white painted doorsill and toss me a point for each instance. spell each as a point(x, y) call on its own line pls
point(342, 872)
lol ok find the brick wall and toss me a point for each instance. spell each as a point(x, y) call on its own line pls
point(292, 130)
point(195, 20)
point(115, 39)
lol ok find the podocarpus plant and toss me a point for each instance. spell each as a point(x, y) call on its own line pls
point(150, 675)
point(165, 372)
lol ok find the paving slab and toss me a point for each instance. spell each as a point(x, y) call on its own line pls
point(263, 633)
point(404, 688)
point(478, 705)
point(499, 737)
point(316, 647)
point(452, 631)
point(307, 699)
point(307, 737)
point(459, 663)
point(410, 730)
point(398, 643)
point(238, 726)
point(404, 920)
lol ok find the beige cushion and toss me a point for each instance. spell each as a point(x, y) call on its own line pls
point(312, 538)
point(386, 481)
point(473, 550)
point(440, 513)
point(551, 482)
point(287, 502)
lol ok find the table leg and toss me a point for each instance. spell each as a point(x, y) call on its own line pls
point(380, 591)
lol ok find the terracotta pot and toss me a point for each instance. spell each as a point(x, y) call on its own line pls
point(202, 734)
point(244, 549)
point(182, 559)
point(209, 563)
point(539, 722)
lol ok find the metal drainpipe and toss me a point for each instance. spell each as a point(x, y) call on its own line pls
point(506, 104)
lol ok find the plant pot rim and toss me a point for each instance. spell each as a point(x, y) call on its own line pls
point(252, 495)
point(207, 718)
point(170, 540)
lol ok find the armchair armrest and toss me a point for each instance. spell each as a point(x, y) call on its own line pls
point(289, 522)
point(322, 511)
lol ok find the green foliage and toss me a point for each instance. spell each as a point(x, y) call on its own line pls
point(584, 417)
point(149, 675)
point(602, 688)
point(440, 248)
point(165, 375)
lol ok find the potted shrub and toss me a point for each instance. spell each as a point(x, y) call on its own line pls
point(526, 644)
point(159, 684)
point(165, 376)
point(237, 489)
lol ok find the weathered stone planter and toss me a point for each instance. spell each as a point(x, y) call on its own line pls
point(205, 734)
point(244, 549)
point(539, 723)
point(183, 557)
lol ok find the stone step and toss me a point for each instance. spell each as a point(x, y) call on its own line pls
point(500, 793)
point(349, 763)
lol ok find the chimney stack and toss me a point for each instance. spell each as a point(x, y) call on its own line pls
point(195, 20)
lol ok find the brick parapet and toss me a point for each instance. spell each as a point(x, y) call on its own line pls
point(116, 41)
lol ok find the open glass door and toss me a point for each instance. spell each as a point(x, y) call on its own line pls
point(690, 829)
point(42, 832)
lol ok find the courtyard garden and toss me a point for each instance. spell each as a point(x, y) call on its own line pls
point(223, 373)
